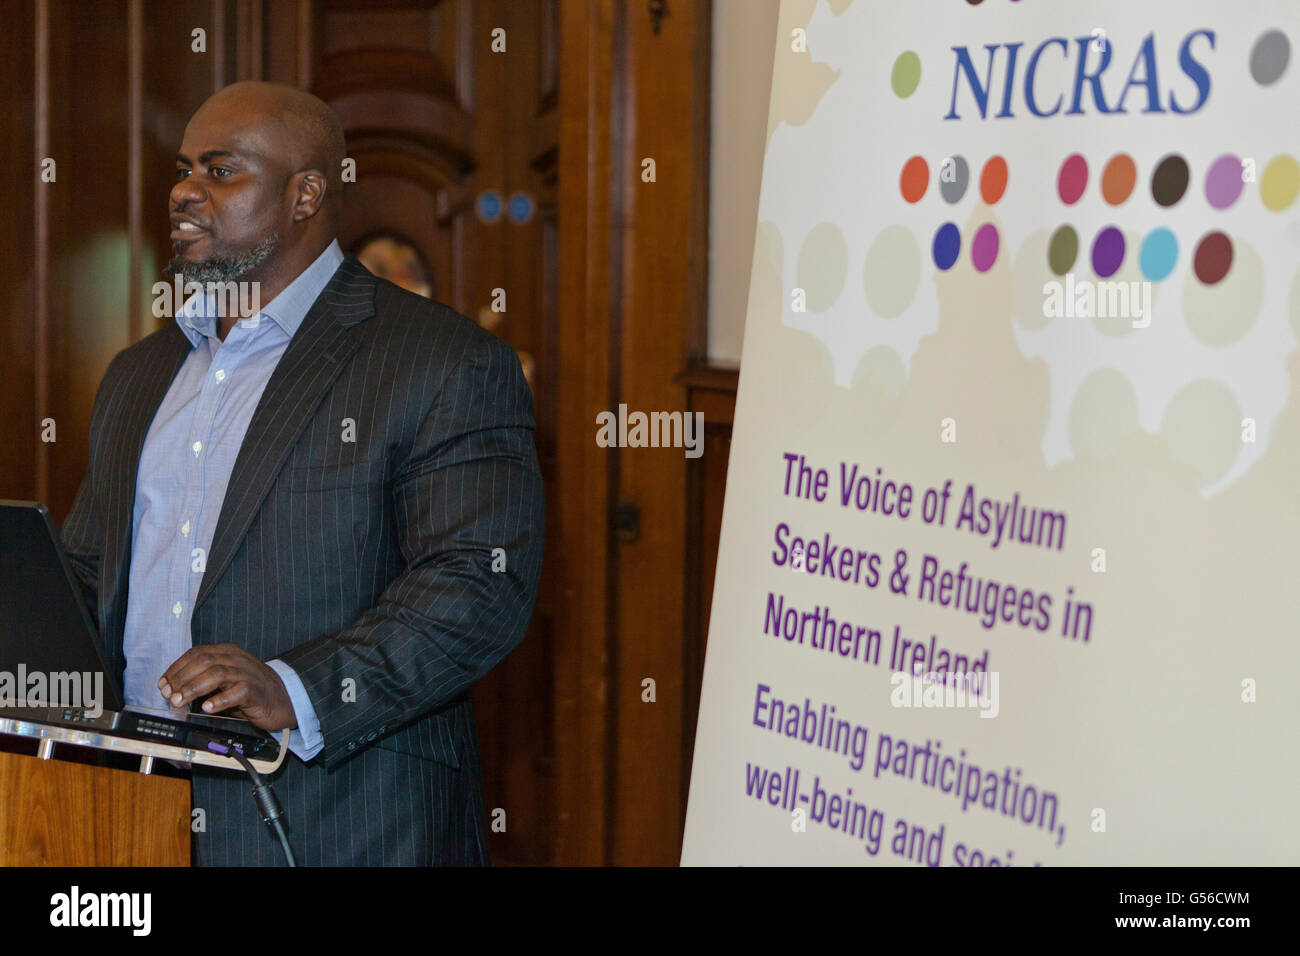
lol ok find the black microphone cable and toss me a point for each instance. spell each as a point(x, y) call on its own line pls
point(267, 805)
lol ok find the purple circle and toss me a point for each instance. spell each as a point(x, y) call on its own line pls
point(984, 247)
point(1108, 252)
point(1224, 183)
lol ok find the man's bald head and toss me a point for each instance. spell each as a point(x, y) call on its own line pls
point(309, 133)
point(259, 190)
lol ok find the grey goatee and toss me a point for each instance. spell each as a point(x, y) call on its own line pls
point(223, 268)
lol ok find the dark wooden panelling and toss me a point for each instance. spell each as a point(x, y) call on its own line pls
point(112, 82)
point(20, 249)
point(711, 390)
point(89, 215)
point(633, 267)
point(588, 67)
point(665, 240)
point(548, 45)
point(349, 28)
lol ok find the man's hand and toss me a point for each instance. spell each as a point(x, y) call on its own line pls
point(237, 681)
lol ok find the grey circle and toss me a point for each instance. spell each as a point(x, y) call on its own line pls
point(1269, 58)
point(954, 177)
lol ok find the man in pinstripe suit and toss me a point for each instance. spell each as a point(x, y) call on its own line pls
point(324, 516)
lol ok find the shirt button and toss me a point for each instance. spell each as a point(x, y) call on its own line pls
point(197, 446)
point(185, 529)
point(221, 375)
point(176, 609)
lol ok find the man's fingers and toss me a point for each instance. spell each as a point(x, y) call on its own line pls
point(194, 662)
point(181, 667)
point(236, 695)
point(232, 679)
point(205, 682)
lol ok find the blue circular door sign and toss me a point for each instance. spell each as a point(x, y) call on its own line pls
point(521, 208)
point(489, 206)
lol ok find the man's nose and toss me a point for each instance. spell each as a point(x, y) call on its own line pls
point(186, 192)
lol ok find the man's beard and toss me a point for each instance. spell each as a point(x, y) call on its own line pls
point(223, 268)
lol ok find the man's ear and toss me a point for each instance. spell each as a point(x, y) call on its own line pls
point(311, 186)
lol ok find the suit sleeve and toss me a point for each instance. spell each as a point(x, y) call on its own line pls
point(469, 510)
point(82, 534)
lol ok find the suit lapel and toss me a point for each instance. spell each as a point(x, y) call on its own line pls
point(315, 356)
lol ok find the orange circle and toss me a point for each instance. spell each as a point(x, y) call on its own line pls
point(1118, 178)
point(915, 179)
point(993, 181)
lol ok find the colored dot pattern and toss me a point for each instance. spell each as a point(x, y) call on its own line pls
point(1225, 183)
point(953, 174)
point(1218, 267)
point(1158, 255)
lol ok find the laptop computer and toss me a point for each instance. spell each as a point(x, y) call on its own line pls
point(51, 667)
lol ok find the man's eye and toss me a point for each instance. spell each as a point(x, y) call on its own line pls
point(182, 173)
point(215, 170)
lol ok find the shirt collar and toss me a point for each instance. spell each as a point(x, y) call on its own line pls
point(197, 317)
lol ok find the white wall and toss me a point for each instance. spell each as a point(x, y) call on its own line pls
point(744, 36)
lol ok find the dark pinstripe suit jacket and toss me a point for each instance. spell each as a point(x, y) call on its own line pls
point(365, 564)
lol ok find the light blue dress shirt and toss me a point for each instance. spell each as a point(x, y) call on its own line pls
point(185, 466)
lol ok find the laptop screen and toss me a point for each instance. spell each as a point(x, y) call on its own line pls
point(49, 651)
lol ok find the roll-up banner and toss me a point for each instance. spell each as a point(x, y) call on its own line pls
point(1010, 560)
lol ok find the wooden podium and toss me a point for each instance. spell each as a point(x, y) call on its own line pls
point(59, 813)
point(56, 813)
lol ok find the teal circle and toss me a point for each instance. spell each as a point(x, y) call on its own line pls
point(1158, 255)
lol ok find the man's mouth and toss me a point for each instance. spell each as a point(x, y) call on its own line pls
point(183, 230)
